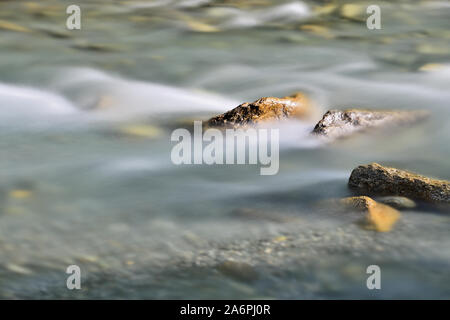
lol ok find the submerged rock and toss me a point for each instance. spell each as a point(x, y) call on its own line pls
point(238, 270)
point(140, 131)
point(263, 110)
point(379, 217)
point(3, 199)
point(10, 26)
point(352, 11)
point(358, 203)
point(341, 123)
point(20, 194)
point(397, 202)
point(384, 181)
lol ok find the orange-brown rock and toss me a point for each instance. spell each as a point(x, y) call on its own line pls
point(379, 217)
point(265, 110)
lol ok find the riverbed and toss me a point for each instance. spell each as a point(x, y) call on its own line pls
point(86, 176)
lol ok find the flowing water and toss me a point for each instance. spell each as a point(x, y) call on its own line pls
point(86, 176)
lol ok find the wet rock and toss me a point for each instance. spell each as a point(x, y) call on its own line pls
point(238, 270)
point(379, 217)
point(358, 203)
point(384, 181)
point(264, 110)
point(341, 123)
point(397, 202)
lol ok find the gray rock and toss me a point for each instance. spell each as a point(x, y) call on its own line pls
point(340, 123)
point(384, 181)
point(397, 202)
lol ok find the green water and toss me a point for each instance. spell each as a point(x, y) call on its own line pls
point(75, 189)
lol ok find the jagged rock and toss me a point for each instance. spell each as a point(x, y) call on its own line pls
point(384, 181)
point(397, 202)
point(263, 110)
point(341, 123)
point(358, 203)
point(379, 217)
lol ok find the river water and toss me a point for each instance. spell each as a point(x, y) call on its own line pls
point(86, 176)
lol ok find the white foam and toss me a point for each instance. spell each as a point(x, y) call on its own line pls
point(285, 13)
point(113, 96)
point(19, 100)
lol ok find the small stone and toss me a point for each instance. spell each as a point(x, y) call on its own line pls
point(18, 269)
point(379, 217)
point(384, 181)
point(198, 26)
point(358, 203)
point(89, 259)
point(326, 9)
point(429, 49)
point(9, 26)
point(318, 30)
point(261, 215)
point(430, 67)
point(56, 33)
point(20, 194)
point(352, 11)
point(96, 47)
point(140, 131)
point(397, 202)
point(280, 239)
point(238, 270)
point(341, 123)
point(264, 110)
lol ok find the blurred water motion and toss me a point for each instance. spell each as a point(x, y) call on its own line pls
point(85, 170)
